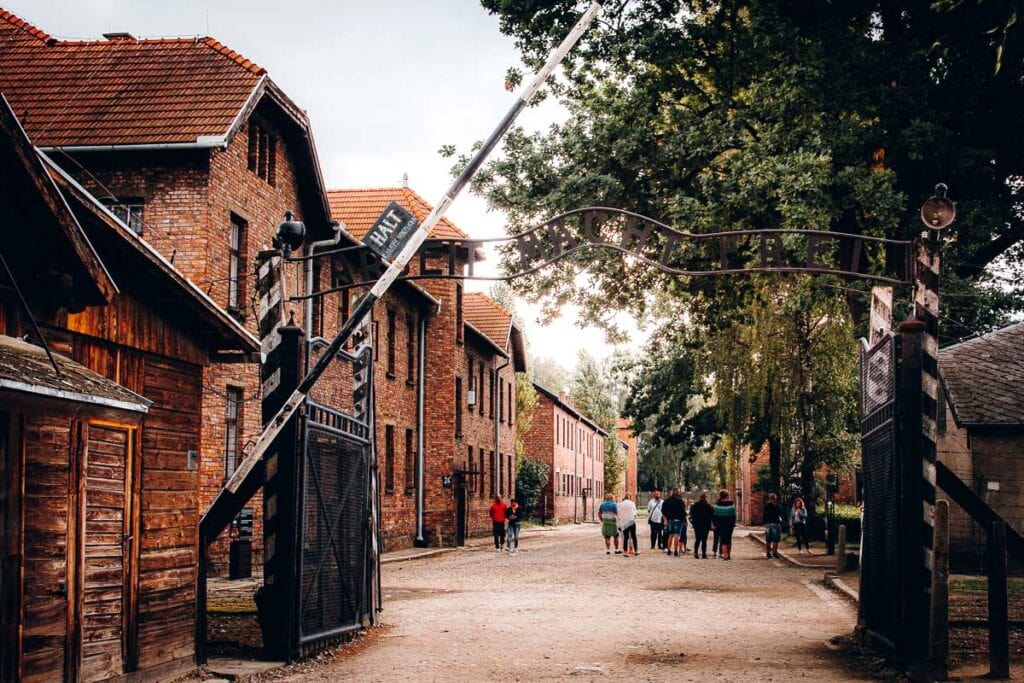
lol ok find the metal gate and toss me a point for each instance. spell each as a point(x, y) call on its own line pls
point(336, 559)
point(880, 601)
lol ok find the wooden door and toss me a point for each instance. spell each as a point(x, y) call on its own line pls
point(108, 539)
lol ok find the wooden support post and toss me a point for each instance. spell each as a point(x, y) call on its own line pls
point(998, 618)
point(281, 502)
point(912, 646)
point(841, 550)
point(938, 638)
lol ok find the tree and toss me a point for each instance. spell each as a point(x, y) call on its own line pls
point(758, 114)
point(531, 479)
point(549, 374)
point(526, 401)
point(594, 395)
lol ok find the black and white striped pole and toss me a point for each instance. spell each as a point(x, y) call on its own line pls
point(921, 403)
point(405, 254)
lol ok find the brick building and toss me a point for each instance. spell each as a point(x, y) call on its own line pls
point(573, 448)
point(981, 433)
point(200, 153)
point(469, 344)
point(627, 437)
point(750, 503)
point(98, 507)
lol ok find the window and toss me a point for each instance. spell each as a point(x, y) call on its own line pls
point(472, 375)
point(501, 398)
point(236, 266)
point(410, 462)
point(389, 459)
point(129, 210)
point(411, 337)
point(470, 479)
point(375, 326)
point(557, 483)
point(344, 302)
point(940, 408)
point(317, 328)
point(511, 476)
point(458, 407)
point(459, 325)
point(232, 416)
point(500, 469)
point(480, 386)
point(481, 474)
point(263, 153)
point(511, 403)
point(493, 472)
point(391, 342)
point(490, 406)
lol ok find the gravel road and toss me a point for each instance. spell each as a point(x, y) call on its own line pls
point(563, 610)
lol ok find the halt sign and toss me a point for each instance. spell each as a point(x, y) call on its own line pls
point(391, 231)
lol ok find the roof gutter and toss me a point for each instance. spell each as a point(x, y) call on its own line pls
point(204, 142)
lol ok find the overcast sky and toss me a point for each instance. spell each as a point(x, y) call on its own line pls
point(386, 84)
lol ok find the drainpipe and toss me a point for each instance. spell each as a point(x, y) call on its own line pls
point(421, 363)
point(575, 472)
point(310, 265)
point(497, 419)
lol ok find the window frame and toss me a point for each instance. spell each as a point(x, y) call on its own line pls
point(233, 398)
point(389, 459)
point(237, 236)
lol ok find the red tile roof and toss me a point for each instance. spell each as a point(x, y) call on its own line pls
point(358, 209)
point(121, 91)
point(486, 315)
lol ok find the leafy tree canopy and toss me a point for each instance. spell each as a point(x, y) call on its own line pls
point(757, 114)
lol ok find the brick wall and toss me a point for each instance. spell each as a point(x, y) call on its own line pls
point(478, 423)
point(189, 198)
point(575, 453)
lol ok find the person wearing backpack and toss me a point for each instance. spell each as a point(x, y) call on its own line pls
point(701, 516)
point(674, 510)
point(725, 523)
point(656, 520)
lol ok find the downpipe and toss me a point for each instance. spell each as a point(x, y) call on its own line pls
point(421, 397)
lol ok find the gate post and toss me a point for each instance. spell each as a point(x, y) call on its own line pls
point(276, 599)
point(914, 598)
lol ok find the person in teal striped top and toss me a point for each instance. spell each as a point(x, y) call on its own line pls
point(725, 523)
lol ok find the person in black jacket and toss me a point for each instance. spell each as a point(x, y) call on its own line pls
point(674, 511)
point(701, 514)
point(772, 520)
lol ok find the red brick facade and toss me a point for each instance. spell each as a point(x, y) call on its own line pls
point(573, 448)
point(627, 437)
point(190, 199)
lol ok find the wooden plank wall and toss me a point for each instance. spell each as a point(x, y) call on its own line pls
point(47, 481)
point(105, 526)
point(169, 512)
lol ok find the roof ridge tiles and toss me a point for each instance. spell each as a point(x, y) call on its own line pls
point(234, 56)
point(25, 26)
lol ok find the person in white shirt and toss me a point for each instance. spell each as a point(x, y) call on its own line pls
point(656, 520)
point(626, 517)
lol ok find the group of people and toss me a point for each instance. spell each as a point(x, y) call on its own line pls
point(670, 518)
point(506, 520)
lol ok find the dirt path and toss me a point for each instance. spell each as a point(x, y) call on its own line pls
point(563, 610)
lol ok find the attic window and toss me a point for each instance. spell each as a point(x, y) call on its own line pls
point(263, 153)
point(129, 210)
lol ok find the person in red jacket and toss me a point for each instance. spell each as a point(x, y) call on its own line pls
point(498, 509)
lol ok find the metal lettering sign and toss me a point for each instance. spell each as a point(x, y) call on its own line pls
point(391, 231)
point(644, 240)
point(446, 481)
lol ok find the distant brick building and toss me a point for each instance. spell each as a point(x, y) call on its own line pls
point(628, 439)
point(473, 350)
point(572, 446)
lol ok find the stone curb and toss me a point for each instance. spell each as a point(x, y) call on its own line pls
point(837, 584)
point(475, 544)
point(785, 556)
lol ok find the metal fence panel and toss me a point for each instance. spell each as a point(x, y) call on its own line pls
point(880, 566)
point(335, 555)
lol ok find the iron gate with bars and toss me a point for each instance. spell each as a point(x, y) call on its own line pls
point(880, 600)
point(335, 558)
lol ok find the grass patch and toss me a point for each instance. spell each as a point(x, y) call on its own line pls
point(961, 583)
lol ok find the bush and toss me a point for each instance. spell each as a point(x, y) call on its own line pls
point(531, 479)
point(848, 515)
